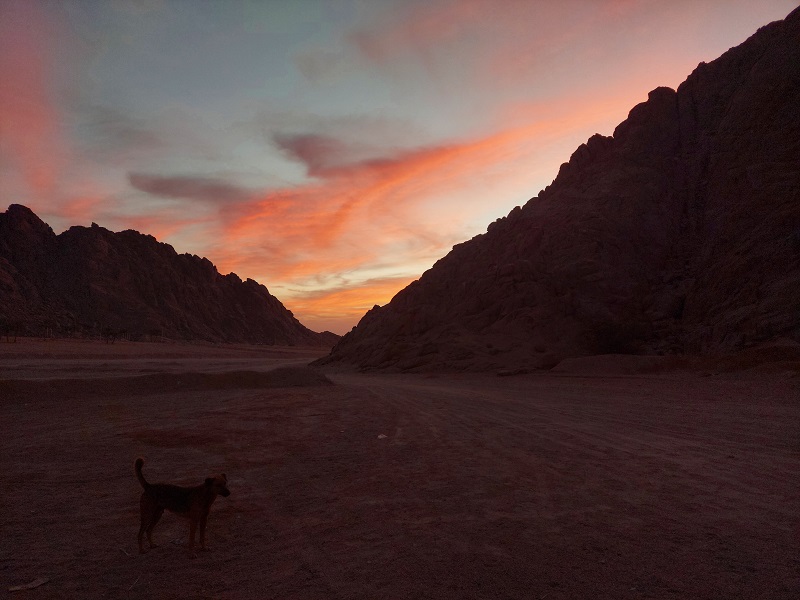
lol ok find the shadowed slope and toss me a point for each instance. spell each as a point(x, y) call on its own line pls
point(681, 233)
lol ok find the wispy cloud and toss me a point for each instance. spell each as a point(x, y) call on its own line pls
point(337, 178)
point(381, 199)
point(403, 210)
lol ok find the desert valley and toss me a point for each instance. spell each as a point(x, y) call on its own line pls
point(599, 397)
point(614, 478)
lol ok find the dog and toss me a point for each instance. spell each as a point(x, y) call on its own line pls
point(192, 503)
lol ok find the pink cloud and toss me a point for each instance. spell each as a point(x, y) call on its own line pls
point(165, 224)
point(30, 122)
point(422, 28)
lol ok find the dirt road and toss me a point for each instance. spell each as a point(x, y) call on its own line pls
point(457, 486)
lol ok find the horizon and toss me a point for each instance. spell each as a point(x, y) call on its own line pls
point(331, 151)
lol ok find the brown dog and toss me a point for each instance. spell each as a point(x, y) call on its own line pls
point(192, 503)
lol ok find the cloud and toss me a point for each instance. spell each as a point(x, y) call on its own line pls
point(327, 157)
point(356, 211)
point(204, 189)
point(30, 122)
point(319, 153)
point(419, 29)
point(167, 223)
point(480, 55)
point(382, 214)
point(339, 308)
point(382, 199)
point(120, 137)
point(110, 135)
point(469, 107)
point(322, 144)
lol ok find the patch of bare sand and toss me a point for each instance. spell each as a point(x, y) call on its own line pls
point(536, 486)
point(280, 377)
point(70, 348)
point(31, 358)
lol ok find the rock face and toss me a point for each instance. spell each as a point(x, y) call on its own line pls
point(679, 234)
point(89, 280)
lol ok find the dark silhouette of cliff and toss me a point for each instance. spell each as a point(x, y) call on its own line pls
point(678, 234)
point(89, 280)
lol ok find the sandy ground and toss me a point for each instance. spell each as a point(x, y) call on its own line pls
point(566, 485)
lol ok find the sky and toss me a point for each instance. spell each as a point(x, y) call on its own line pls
point(331, 150)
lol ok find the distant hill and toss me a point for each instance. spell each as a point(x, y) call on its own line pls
point(679, 234)
point(89, 280)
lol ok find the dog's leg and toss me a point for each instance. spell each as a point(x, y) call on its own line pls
point(146, 518)
point(153, 521)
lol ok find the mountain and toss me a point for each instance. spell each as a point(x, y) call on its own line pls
point(678, 234)
point(89, 280)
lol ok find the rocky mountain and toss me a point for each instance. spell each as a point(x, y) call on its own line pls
point(678, 234)
point(89, 280)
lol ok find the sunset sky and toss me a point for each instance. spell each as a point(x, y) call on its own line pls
point(332, 150)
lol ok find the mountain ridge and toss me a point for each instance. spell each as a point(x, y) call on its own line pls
point(92, 281)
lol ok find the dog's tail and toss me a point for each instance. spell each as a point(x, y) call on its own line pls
point(138, 467)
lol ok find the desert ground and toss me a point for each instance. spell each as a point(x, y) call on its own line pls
point(581, 483)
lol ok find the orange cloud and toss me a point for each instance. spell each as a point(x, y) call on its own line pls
point(378, 222)
point(339, 309)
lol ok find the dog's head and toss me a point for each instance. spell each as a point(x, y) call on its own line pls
point(219, 485)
